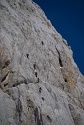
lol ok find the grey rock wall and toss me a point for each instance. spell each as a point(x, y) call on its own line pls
point(40, 84)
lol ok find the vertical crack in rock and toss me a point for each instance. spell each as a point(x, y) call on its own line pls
point(38, 117)
point(19, 108)
point(60, 61)
point(67, 74)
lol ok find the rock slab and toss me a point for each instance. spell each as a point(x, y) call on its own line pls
point(40, 84)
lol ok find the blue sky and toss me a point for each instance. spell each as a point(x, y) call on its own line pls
point(67, 16)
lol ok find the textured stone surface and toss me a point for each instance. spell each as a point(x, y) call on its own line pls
point(40, 84)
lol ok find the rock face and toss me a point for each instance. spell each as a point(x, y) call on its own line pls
point(40, 84)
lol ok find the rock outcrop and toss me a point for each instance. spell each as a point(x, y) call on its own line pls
point(40, 84)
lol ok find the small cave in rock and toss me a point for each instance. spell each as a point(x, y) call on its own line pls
point(5, 84)
point(34, 65)
point(16, 84)
point(27, 56)
point(43, 98)
point(40, 89)
point(42, 42)
point(48, 117)
point(65, 80)
point(36, 74)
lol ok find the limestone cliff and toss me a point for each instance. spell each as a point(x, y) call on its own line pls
point(40, 84)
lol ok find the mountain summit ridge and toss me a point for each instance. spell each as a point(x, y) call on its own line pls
point(40, 84)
